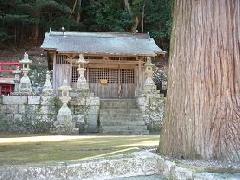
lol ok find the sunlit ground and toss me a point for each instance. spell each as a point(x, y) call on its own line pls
point(41, 149)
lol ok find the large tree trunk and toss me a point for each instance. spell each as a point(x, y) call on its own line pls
point(203, 103)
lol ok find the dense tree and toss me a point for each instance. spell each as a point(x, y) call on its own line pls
point(203, 103)
point(22, 20)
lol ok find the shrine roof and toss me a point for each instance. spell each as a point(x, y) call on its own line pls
point(109, 43)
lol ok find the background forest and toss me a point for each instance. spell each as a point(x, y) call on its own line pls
point(24, 22)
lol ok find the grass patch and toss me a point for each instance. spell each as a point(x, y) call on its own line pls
point(25, 152)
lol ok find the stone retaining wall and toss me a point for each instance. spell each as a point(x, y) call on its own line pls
point(152, 107)
point(36, 114)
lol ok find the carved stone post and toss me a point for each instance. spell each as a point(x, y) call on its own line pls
point(47, 88)
point(82, 82)
point(64, 123)
point(25, 86)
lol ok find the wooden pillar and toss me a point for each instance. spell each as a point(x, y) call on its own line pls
point(119, 82)
point(54, 76)
point(140, 72)
point(136, 79)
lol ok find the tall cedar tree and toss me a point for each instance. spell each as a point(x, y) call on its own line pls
point(203, 102)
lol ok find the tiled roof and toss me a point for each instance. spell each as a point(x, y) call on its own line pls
point(111, 43)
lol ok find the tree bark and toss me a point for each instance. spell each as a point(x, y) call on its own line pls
point(79, 11)
point(203, 101)
point(135, 25)
point(142, 19)
point(127, 6)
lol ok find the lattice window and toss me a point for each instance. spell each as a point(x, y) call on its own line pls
point(127, 75)
point(127, 58)
point(74, 74)
point(98, 74)
point(61, 59)
point(93, 57)
point(114, 58)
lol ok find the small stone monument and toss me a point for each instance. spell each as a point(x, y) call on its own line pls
point(25, 86)
point(16, 80)
point(64, 123)
point(81, 82)
point(47, 88)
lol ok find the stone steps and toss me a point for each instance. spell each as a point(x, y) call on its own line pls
point(120, 123)
point(120, 111)
point(118, 103)
point(126, 132)
point(121, 116)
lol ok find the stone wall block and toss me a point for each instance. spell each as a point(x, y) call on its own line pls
point(17, 117)
point(22, 109)
point(47, 110)
point(12, 109)
point(44, 118)
point(2, 109)
point(93, 101)
point(14, 99)
point(34, 100)
point(47, 100)
point(93, 110)
point(31, 109)
point(9, 117)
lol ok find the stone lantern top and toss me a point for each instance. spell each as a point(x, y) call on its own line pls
point(25, 59)
point(149, 62)
point(81, 59)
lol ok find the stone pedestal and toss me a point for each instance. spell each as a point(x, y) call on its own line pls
point(64, 123)
point(81, 82)
point(25, 86)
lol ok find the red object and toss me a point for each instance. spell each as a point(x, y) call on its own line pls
point(6, 89)
point(8, 67)
point(6, 84)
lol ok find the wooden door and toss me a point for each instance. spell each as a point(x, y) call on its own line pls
point(62, 71)
point(112, 83)
point(127, 84)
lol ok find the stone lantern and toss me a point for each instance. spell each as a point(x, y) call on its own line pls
point(149, 74)
point(81, 82)
point(64, 123)
point(25, 86)
point(16, 80)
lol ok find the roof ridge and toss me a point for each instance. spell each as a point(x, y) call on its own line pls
point(99, 34)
